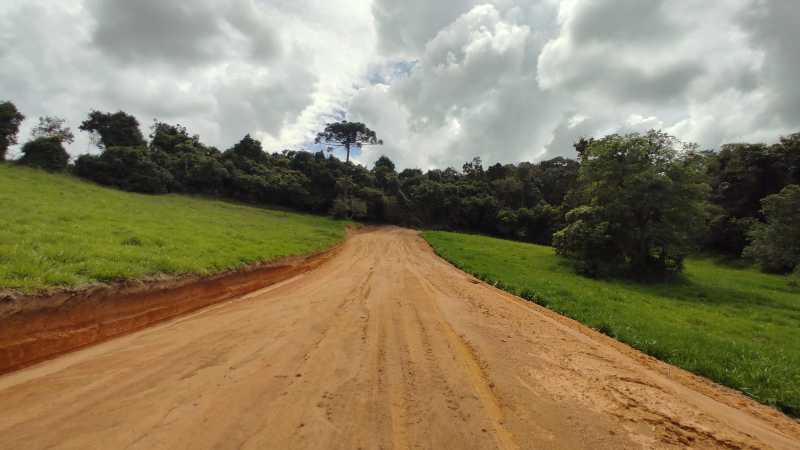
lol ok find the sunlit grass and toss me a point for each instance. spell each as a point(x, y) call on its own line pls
point(58, 231)
point(736, 326)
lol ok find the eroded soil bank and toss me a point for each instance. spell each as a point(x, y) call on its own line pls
point(37, 327)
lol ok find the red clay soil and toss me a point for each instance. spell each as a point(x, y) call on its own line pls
point(35, 328)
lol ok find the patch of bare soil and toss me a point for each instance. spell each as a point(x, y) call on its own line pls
point(382, 346)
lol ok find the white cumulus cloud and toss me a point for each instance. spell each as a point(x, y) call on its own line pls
point(440, 82)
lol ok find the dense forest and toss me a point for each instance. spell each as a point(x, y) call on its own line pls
point(636, 203)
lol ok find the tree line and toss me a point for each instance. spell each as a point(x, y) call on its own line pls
point(634, 204)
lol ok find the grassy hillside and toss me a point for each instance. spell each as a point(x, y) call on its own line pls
point(738, 327)
point(58, 231)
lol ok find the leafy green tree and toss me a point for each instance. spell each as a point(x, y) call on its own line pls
point(51, 127)
point(409, 174)
point(171, 139)
point(555, 178)
point(740, 176)
point(347, 135)
point(321, 174)
point(45, 153)
point(346, 205)
point(384, 163)
point(499, 171)
point(127, 168)
point(590, 241)
point(197, 171)
point(10, 120)
point(428, 198)
point(538, 224)
point(478, 212)
point(249, 149)
point(776, 243)
point(385, 175)
point(786, 154)
point(640, 203)
point(474, 168)
point(118, 129)
point(507, 223)
point(374, 199)
point(509, 191)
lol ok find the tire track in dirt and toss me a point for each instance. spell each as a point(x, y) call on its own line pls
point(474, 371)
point(383, 346)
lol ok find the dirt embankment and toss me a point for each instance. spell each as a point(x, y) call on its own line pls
point(383, 346)
point(37, 327)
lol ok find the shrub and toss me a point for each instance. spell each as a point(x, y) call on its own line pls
point(352, 208)
point(128, 168)
point(45, 153)
point(775, 245)
point(588, 241)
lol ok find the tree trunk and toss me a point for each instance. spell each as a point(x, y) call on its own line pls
point(347, 147)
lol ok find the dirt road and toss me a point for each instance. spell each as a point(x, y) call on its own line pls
point(384, 346)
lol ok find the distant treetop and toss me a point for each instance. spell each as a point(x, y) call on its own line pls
point(347, 135)
point(51, 127)
point(118, 129)
point(10, 119)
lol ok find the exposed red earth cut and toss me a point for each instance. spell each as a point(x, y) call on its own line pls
point(37, 327)
point(383, 345)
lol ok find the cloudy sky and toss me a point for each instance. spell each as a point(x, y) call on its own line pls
point(440, 81)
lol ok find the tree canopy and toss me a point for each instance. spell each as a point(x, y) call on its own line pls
point(633, 204)
point(51, 127)
point(775, 245)
point(117, 129)
point(45, 153)
point(171, 139)
point(10, 120)
point(640, 203)
point(740, 176)
point(347, 135)
point(248, 148)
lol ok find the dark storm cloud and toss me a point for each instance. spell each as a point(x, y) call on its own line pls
point(631, 83)
point(405, 27)
point(624, 20)
point(621, 49)
point(773, 25)
point(180, 33)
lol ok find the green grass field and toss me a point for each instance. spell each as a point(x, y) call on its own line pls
point(58, 231)
point(736, 326)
